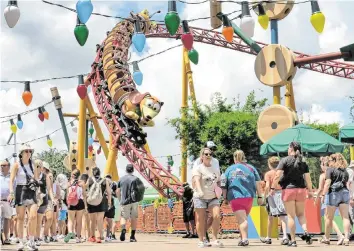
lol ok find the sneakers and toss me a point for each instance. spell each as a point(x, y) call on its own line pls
point(285, 242)
point(292, 244)
point(207, 243)
point(20, 246)
point(68, 237)
point(31, 246)
point(108, 239)
point(113, 237)
point(266, 240)
point(122, 235)
point(92, 239)
point(243, 243)
point(202, 244)
point(217, 244)
point(188, 235)
point(53, 239)
point(46, 239)
point(132, 239)
point(340, 241)
point(78, 240)
point(7, 242)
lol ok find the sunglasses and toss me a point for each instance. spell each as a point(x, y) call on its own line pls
point(27, 151)
point(207, 154)
point(5, 165)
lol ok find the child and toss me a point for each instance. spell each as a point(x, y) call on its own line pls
point(274, 203)
point(188, 211)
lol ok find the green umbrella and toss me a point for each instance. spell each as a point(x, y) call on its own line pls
point(346, 134)
point(312, 141)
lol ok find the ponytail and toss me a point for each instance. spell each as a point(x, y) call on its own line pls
point(298, 159)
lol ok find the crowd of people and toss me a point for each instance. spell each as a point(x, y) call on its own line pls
point(287, 185)
point(75, 208)
point(38, 209)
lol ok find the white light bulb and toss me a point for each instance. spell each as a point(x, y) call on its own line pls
point(74, 129)
point(12, 14)
point(247, 25)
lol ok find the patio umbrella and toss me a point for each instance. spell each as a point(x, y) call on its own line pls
point(346, 134)
point(312, 141)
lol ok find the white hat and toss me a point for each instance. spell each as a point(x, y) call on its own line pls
point(24, 147)
point(351, 165)
point(210, 144)
point(46, 165)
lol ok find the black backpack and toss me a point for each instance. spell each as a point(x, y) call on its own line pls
point(337, 184)
point(137, 191)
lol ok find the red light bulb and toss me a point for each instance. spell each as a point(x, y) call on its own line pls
point(99, 151)
point(187, 40)
point(41, 116)
point(90, 148)
point(81, 91)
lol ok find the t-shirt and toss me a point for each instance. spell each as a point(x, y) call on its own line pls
point(292, 177)
point(240, 181)
point(337, 175)
point(214, 163)
point(350, 171)
point(125, 184)
point(209, 177)
point(269, 177)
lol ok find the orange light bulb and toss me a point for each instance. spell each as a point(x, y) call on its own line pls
point(228, 33)
point(27, 95)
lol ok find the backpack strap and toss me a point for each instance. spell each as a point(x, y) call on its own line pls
point(28, 178)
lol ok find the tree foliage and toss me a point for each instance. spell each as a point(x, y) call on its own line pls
point(55, 159)
point(234, 126)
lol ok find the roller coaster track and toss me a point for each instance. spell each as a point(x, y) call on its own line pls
point(142, 160)
point(334, 68)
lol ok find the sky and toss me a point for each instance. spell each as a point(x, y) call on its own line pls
point(42, 45)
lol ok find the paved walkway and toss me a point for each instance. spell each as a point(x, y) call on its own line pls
point(173, 243)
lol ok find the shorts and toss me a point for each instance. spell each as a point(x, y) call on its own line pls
point(50, 206)
point(274, 205)
point(20, 195)
point(62, 215)
point(188, 214)
point(244, 204)
point(204, 203)
point(334, 199)
point(100, 208)
point(42, 209)
point(293, 194)
point(129, 211)
point(5, 209)
point(110, 213)
point(80, 206)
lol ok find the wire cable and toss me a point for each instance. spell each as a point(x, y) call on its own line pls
point(29, 141)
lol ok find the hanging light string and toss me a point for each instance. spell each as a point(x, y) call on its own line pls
point(13, 116)
point(122, 18)
point(165, 156)
point(239, 2)
point(40, 80)
point(42, 137)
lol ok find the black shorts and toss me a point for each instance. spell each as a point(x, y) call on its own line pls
point(20, 195)
point(188, 215)
point(80, 206)
point(110, 213)
point(102, 207)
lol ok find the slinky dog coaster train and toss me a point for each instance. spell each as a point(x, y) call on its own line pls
point(126, 111)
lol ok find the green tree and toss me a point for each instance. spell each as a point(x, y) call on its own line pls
point(55, 159)
point(230, 125)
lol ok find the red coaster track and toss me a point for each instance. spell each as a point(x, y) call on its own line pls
point(144, 162)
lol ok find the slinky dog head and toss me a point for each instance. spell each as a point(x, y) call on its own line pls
point(150, 107)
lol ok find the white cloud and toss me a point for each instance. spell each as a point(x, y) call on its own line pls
point(320, 115)
point(43, 45)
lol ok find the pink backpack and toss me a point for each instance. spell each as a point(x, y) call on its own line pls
point(72, 198)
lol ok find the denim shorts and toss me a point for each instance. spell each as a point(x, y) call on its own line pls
point(62, 215)
point(334, 199)
point(203, 203)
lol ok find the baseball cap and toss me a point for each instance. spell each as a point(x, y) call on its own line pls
point(210, 144)
point(351, 165)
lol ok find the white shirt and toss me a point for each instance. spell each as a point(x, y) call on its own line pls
point(21, 175)
point(351, 181)
point(209, 177)
point(4, 185)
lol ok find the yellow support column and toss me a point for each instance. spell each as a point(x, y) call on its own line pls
point(96, 125)
point(183, 118)
point(81, 136)
point(147, 148)
point(292, 98)
point(276, 95)
point(111, 164)
point(352, 152)
point(288, 95)
point(189, 74)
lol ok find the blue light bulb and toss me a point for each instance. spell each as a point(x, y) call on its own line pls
point(139, 40)
point(84, 10)
point(90, 141)
point(138, 77)
point(19, 124)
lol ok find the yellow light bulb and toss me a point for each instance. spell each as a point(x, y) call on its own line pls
point(13, 128)
point(318, 21)
point(263, 20)
point(49, 142)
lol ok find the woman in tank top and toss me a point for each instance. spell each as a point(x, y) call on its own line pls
point(25, 195)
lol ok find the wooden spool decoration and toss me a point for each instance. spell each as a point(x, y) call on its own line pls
point(215, 8)
point(275, 10)
point(274, 65)
point(273, 120)
point(71, 160)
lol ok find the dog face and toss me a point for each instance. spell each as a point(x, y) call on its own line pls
point(150, 107)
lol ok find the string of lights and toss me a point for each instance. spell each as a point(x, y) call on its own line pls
point(12, 116)
point(239, 2)
point(165, 156)
point(42, 137)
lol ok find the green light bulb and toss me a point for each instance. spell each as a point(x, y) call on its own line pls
point(172, 22)
point(81, 32)
point(193, 56)
point(91, 131)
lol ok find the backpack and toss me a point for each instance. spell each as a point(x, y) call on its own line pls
point(337, 184)
point(137, 191)
point(95, 196)
point(72, 199)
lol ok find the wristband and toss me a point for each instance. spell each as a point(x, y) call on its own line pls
point(260, 197)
